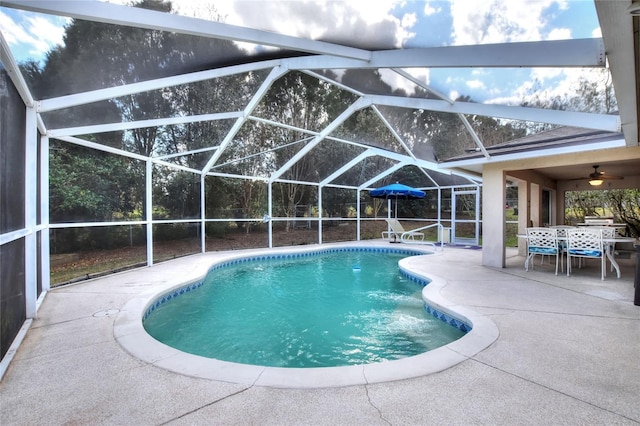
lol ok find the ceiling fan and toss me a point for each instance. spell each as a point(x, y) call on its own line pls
point(597, 177)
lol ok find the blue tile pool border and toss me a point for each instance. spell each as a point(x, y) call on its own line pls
point(442, 316)
point(166, 297)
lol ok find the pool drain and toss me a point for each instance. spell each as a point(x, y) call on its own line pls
point(106, 313)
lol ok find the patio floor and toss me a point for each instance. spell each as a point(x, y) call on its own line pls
point(567, 353)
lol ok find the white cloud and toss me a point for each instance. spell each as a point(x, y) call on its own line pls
point(430, 10)
point(563, 86)
point(397, 81)
point(370, 22)
point(596, 33)
point(409, 20)
point(497, 21)
point(475, 84)
point(545, 74)
point(505, 100)
point(30, 35)
point(10, 30)
point(348, 21)
point(559, 34)
point(46, 31)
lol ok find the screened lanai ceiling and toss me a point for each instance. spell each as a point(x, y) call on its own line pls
point(331, 93)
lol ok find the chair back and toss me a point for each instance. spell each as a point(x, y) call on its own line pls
point(585, 242)
point(395, 226)
point(542, 240)
point(607, 231)
point(562, 229)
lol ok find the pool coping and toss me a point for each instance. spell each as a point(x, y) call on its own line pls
point(130, 334)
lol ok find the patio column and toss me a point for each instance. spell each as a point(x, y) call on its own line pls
point(560, 207)
point(524, 216)
point(536, 205)
point(494, 195)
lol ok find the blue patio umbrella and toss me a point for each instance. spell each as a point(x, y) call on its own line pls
point(396, 191)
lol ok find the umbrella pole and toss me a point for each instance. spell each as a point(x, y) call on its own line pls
point(396, 207)
point(396, 214)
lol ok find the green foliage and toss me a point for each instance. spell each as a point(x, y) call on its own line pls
point(622, 204)
point(86, 185)
point(511, 235)
point(436, 136)
point(176, 194)
point(625, 205)
point(584, 203)
point(73, 240)
point(92, 186)
point(175, 231)
point(217, 229)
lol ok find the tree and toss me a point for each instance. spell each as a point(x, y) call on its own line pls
point(625, 203)
point(87, 185)
point(90, 186)
point(592, 92)
point(585, 203)
point(305, 102)
point(435, 136)
point(622, 204)
point(96, 55)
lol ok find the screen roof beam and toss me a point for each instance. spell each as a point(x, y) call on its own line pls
point(109, 13)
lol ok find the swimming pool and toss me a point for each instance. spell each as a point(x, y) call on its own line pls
point(129, 332)
point(321, 309)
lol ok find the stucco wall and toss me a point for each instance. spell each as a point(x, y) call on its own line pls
point(531, 183)
point(494, 198)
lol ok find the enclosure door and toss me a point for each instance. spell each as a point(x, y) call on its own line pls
point(465, 217)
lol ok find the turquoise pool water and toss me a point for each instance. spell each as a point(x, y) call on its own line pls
point(332, 309)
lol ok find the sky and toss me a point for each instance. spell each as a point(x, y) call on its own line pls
point(382, 23)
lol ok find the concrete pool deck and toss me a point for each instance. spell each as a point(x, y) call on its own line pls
point(567, 353)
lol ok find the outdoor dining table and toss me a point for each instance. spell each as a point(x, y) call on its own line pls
point(608, 243)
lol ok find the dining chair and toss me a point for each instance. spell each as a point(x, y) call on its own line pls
point(562, 229)
point(543, 241)
point(609, 233)
point(585, 243)
point(562, 240)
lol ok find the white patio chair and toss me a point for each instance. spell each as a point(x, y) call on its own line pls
point(543, 241)
point(562, 240)
point(584, 243)
point(562, 229)
point(397, 230)
point(608, 232)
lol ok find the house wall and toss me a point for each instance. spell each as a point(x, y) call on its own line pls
point(494, 198)
point(530, 186)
